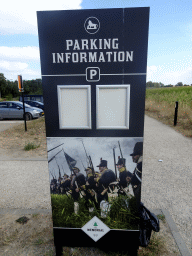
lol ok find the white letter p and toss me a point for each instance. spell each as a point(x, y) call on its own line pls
point(93, 72)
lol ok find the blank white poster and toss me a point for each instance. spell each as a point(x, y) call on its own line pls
point(113, 107)
point(74, 107)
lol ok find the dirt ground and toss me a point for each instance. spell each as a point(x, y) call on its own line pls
point(13, 141)
point(32, 238)
point(36, 238)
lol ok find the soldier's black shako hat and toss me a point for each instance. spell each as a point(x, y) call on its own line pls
point(103, 163)
point(88, 169)
point(121, 161)
point(138, 149)
point(75, 169)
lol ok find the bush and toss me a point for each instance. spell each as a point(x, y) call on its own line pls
point(30, 146)
point(9, 97)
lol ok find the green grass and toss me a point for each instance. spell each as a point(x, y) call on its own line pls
point(170, 95)
point(39, 241)
point(119, 217)
point(160, 104)
point(30, 146)
point(155, 247)
point(9, 97)
point(35, 215)
point(161, 217)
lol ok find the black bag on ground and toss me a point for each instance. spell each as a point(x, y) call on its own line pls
point(148, 222)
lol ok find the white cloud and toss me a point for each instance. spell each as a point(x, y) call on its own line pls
point(20, 60)
point(19, 17)
point(167, 76)
point(11, 69)
point(12, 66)
point(19, 53)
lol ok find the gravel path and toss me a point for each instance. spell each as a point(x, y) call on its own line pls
point(166, 183)
point(4, 125)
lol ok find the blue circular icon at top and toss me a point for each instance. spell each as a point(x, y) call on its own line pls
point(92, 25)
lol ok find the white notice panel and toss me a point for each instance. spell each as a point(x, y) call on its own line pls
point(74, 106)
point(113, 106)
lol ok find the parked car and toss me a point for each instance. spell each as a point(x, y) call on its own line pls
point(14, 110)
point(34, 103)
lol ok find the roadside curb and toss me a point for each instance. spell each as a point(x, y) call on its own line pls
point(23, 159)
point(174, 230)
point(24, 211)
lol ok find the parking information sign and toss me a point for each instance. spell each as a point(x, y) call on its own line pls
point(93, 65)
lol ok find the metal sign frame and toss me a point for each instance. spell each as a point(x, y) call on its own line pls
point(94, 49)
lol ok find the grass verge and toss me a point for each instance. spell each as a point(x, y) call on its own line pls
point(155, 247)
point(164, 112)
point(31, 145)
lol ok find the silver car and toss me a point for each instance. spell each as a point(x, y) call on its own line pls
point(14, 110)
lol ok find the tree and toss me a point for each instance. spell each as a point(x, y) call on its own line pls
point(149, 84)
point(179, 84)
point(156, 85)
point(3, 85)
point(10, 88)
point(33, 86)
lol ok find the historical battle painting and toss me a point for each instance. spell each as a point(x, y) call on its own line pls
point(95, 176)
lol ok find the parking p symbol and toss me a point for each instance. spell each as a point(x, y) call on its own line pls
point(92, 74)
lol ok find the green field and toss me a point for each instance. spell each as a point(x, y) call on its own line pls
point(171, 94)
point(160, 104)
point(122, 215)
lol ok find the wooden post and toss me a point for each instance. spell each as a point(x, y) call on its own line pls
point(176, 112)
point(24, 116)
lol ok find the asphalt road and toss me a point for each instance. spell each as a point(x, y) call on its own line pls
point(166, 183)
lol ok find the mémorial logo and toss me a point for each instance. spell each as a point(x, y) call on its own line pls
point(92, 25)
point(95, 228)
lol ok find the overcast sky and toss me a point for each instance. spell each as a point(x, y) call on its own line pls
point(95, 147)
point(170, 36)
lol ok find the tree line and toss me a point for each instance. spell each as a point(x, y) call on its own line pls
point(151, 84)
point(9, 89)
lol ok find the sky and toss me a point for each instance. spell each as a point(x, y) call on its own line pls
point(169, 46)
point(96, 147)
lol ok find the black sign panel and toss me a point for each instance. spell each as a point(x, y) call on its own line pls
point(117, 51)
point(93, 65)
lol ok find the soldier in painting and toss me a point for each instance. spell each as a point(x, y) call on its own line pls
point(136, 179)
point(78, 180)
point(90, 186)
point(106, 177)
point(65, 184)
point(90, 179)
point(53, 186)
point(123, 174)
point(59, 184)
